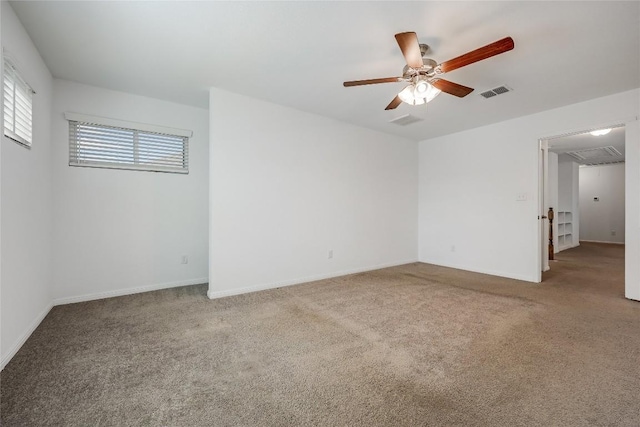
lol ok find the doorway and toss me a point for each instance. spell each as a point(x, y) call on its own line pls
point(583, 180)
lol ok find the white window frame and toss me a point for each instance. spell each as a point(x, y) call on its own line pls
point(18, 105)
point(125, 144)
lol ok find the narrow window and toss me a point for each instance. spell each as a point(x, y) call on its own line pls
point(18, 98)
point(103, 146)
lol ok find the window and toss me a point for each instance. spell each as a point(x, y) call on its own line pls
point(17, 105)
point(108, 146)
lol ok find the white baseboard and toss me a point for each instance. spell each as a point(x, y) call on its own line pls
point(128, 291)
point(603, 241)
point(521, 277)
point(265, 286)
point(36, 322)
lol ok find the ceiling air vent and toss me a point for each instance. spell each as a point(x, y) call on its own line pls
point(497, 91)
point(407, 119)
point(595, 153)
point(615, 162)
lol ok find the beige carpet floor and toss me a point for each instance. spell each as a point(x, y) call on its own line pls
point(405, 346)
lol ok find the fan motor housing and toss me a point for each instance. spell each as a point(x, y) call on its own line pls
point(427, 68)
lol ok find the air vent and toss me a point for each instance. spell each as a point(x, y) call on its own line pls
point(595, 153)
point(500, 90)
point(497, 91)
point(407, 119)
point(615, 162)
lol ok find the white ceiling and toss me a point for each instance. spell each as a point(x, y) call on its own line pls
point(298, 53)
point(586, 141)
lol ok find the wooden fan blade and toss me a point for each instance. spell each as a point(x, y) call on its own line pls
point(394, 104)
point(451, 88)
point(410, 48)
point(479, 54)
point(372, 81)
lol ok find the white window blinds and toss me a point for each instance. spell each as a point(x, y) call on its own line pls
point(98, 145)
point(18, 98)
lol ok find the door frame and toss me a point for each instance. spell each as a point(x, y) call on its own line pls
point(632, 211)
point(543, 194)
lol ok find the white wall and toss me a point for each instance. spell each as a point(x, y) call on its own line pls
point(119, 231)
point(600, 220)
point(287, 187)
point(469, 214)
point(469, 182)
point(26, 201)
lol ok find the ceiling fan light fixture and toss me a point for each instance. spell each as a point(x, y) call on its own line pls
point(422, 73)
point(430, 93)
point(407, 95)
point(421, 89)
point(419, 93)
point(600, 132)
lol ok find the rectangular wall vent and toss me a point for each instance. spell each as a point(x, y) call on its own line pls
point(407, 119)
point(496, 91)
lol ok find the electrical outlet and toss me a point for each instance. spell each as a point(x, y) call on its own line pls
point(613, 232)
point(185, 259)
point(453, 248)
point(330, 255)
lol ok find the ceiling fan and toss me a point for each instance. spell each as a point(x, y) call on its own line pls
point(422, 73)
